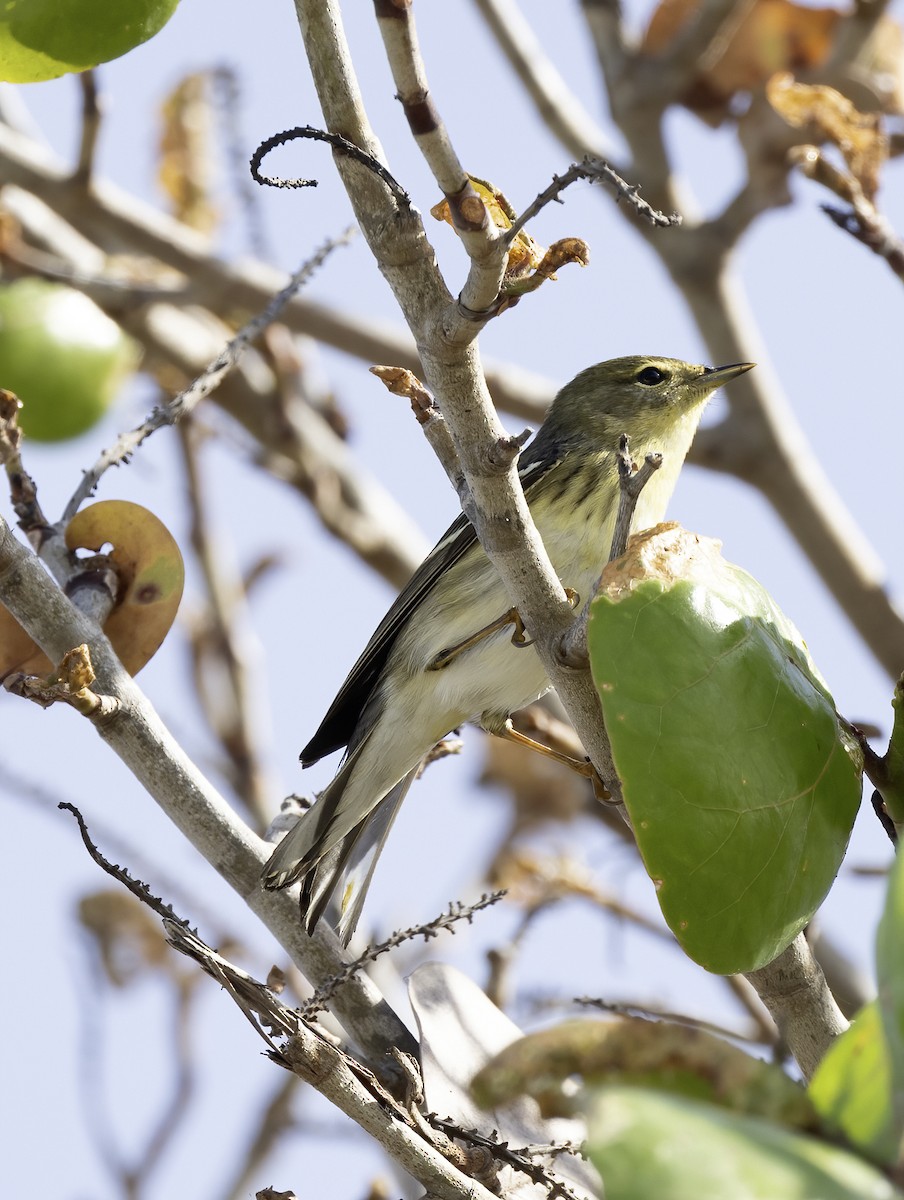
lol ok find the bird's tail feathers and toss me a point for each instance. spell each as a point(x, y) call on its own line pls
point(331, 853)
point(313, 836)
point(343, 876)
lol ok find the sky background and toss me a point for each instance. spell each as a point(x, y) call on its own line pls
point(829, 315)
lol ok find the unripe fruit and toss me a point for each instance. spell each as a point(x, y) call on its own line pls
point(62, 356)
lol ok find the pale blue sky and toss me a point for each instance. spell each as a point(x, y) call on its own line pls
point(830, 314)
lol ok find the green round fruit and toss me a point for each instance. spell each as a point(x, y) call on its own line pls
point(62, 356)
point(42, 39)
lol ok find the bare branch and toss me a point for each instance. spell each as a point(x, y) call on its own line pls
point(871, 228)
point(427, 413)
point(457, 911)
point(631, 482)
point(181, 405)
point(762, 442)
point(794, 990)
point(497, 507)
point(226, 652)
point(142, 741)
point(596, 170)
point(481, 237)
point(572, 649)
point(296, 443)
point(113, 219)
point(334, 1074)
point(92, 112)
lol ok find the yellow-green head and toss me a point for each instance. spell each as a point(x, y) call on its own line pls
point(651, 399)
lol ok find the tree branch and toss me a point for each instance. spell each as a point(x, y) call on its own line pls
point(138, 736)
point(496, 507)
point(794, 990)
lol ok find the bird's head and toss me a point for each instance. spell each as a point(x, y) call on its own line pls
point(645, 397)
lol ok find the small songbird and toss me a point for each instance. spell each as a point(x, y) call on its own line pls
point(445, 652)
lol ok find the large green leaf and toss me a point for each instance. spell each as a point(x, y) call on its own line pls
point(851, 1089)
point(41, 39)
point(646, 1144)
point(737, 775)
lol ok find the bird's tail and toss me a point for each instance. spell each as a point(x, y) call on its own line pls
point(333, 854)
point(343, 875)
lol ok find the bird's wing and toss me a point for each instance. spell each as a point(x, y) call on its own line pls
point(339, 724)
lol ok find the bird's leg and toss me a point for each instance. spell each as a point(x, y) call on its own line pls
point(511, 617)
point(452, 652)
point(502, 727)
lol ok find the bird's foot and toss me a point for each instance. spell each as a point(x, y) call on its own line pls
point(502, 727)
point(511, 617)
point(508, 618)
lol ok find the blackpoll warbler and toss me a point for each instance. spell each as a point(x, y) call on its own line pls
point(424, 671)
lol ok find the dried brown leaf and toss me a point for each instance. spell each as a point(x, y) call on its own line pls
point(151, 573)
point(185, 169)
point(859, 136)
point(774, 35)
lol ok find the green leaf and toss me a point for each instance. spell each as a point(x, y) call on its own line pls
point(890, 975)
point(740, 782)
point(42, 39)
point(859, 1086)
point(851, 1089)
point(646, 1144)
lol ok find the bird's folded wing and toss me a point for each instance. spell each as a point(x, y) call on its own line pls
point(339, 724)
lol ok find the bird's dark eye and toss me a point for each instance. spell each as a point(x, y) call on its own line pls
point(650, 376)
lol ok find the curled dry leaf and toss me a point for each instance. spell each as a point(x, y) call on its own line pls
point(149, 567)
point(777, 35)
point(10, 407)
point(525, 254)
point(859, 136)
point(772, 35)
point(151, 574)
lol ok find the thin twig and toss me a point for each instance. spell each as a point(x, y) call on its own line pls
point(139, 890)
point(401, 382)
point(573, 643)
point(595, 170)
point(457, 911)
point(482, 239)
point(409, 74)
point(343, 145)
point(520, 1160)
point(205, 383)
point(631, 483)
point(145, 745)
point(92, 113)
point(23, 491)
point(870, 228)
point(26, 791)
point(653, 1012)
